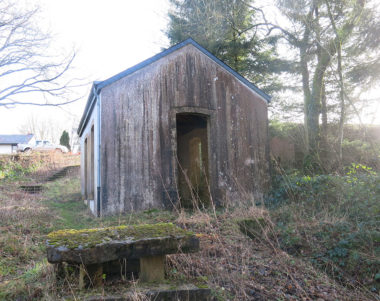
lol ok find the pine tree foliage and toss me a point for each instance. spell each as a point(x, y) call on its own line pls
point(233, 31)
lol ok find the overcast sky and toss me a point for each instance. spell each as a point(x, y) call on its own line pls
point(109, 37)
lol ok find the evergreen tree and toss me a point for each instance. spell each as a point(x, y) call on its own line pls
point(65, 140)
point(230, 30)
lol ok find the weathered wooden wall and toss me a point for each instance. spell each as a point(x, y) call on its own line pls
point(138, 133)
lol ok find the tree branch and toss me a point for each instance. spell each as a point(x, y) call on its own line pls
point(24, 65)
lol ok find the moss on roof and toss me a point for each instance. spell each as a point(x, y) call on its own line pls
point(88, 238)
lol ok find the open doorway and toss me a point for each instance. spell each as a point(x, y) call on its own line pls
point(193, 162)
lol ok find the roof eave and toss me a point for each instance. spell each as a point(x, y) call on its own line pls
point(88, 108)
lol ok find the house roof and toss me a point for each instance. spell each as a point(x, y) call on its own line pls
point(15, 139)
point(98, 85)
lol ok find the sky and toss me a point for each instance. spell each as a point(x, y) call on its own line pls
point(108, 37)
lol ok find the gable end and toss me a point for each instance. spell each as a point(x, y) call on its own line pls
point(98, 86)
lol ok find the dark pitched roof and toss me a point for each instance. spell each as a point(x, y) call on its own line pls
point(97, 86)
point(15, 139)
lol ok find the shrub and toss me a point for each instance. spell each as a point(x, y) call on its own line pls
point(65, 140)
point(12, 167)
point(333, 220)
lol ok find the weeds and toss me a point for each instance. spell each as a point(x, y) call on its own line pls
point(13, 168)
point(233, 265)
point(333, 221)
point(237, 268)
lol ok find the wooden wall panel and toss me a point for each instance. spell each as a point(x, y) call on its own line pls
point(138, 134)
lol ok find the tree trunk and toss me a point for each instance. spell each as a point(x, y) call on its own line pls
point(303, 46)
point(342, 117)
point(313, 105)
point(323, 146)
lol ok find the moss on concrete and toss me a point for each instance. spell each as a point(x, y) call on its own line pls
point(88, 238)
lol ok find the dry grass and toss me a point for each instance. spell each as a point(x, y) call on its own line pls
point(238, 268)
point(25, 219)
point(233, 265)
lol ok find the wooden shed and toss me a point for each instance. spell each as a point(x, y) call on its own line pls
point(181, 128)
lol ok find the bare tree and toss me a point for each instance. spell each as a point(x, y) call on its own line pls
point(44, 128)
point(74, 138)
point(26, 68)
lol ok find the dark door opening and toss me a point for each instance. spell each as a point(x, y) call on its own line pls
point(192, 155)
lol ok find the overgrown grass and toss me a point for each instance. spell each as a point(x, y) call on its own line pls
point(64, 198)
point(33, 166)
point(333, 221)
point(26, 219)
point(234, 266)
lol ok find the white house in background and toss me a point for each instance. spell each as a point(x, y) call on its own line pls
point(8, 143)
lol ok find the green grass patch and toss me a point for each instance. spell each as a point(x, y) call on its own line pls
point(27, 285)
point(63, 197)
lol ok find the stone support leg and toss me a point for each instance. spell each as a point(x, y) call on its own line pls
point(90, 275)
point(152, 268)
